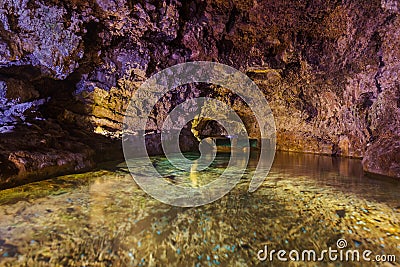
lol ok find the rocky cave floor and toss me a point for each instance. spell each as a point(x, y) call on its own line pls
point(103, 219)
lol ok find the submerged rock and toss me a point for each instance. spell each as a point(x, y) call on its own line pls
point(106, 219)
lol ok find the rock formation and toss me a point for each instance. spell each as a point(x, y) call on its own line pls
point(329, 70)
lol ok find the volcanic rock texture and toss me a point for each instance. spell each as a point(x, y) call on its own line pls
point(329, 70)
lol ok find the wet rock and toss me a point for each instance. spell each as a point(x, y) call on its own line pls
point(8, 250)
point(40, 157)
point(383, 157)
point(341, 213)
point(49, 150)
point(17, 100)
point(328, 71)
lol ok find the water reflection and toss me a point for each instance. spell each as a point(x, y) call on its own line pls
point(194, 173)
point(103, 219)
point(344, 174)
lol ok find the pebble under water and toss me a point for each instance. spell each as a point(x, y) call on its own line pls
point(103, 218)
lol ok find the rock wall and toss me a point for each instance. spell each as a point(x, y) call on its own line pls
point(329, 69)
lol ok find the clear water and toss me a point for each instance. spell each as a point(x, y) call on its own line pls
point(102, 218)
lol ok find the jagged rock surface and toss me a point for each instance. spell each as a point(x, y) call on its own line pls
point(328, 68)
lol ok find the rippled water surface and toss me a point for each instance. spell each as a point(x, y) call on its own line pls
point(102, 218)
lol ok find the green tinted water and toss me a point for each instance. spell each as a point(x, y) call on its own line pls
point(102, 218)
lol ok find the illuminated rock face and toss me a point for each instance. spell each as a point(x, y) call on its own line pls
point(329, 70)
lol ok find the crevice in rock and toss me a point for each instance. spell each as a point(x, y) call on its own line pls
point(307, 106)
point(190, 11)
point(224, 47)
point(231, 20)
point(398, 94)
point(12, 19)
point(290, 68)
point(24, 72)
point(364, 103)
point(378, 75)
point(92, 45)
point(105, 118)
